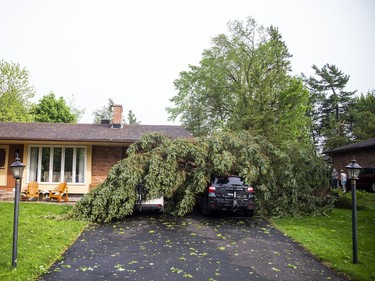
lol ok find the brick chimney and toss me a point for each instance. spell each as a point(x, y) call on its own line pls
point(117, 116)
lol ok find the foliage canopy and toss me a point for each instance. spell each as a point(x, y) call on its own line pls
point(287, 182)
point(362, 116)
point(104, 113)
point(15, 92)
point(243, 83)
point(53, 110)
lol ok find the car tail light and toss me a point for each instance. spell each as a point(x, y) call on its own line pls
point(250, 189)
point(211, 189)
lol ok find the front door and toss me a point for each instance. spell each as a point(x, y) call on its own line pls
point(4, 152)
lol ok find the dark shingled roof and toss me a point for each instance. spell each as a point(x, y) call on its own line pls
point(22, 131)
point(370, 143)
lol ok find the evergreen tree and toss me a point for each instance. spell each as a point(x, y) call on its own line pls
point(329, 106)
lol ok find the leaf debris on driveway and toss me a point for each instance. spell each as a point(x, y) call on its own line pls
point(193, 247)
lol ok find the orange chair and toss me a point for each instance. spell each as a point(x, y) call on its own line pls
point(32, 190)
point(59, 192)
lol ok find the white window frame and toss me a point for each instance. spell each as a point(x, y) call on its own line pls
point(62, 172)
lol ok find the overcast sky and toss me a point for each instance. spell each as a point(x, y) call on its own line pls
point(132, 51)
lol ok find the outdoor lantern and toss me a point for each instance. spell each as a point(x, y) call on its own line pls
point(353, 170)
point(17, 168)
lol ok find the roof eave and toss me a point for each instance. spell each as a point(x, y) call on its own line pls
point(87, 141)
point(334, 151)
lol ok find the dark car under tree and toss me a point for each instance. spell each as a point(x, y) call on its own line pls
point(227, 193)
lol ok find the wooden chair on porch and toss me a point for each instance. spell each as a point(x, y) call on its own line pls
point(32, 190)
point(59, 193)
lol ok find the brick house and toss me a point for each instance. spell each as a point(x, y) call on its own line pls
point(80, 154)
point(363, 152)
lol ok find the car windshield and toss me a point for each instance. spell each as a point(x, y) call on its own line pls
point(229, 181)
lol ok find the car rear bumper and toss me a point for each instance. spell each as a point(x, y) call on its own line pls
point(230, 204)
point(156, 204)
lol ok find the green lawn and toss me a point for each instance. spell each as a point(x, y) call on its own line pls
point(329, 238)
point(41, 238)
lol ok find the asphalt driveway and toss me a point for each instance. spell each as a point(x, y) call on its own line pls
point(194, 247)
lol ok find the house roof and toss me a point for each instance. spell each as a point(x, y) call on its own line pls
point(370, 143)
point(103, 133)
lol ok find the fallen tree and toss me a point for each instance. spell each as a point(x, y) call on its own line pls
point(288, 181)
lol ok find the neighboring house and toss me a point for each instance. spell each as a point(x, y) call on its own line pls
point(80, 154)
point(363, 152)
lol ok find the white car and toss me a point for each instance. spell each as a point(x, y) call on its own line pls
point(156, 204)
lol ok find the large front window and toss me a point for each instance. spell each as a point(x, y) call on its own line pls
point(52, 164)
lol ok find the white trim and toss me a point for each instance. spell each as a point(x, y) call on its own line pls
point(4, 170)
point(62, 170)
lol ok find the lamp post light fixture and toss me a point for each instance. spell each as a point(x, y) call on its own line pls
point(17, 170)
point(353, 171)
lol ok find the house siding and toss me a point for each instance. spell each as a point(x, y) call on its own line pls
point(103, 158)
point(106, 144)
point(10, 181)
point(364, 157)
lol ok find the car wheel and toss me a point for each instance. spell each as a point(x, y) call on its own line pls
point(204, 209)
point(372, 187)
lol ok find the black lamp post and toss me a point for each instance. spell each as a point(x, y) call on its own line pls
point(353, 171)
point(17, 170)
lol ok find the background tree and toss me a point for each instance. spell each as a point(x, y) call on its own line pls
point(243, 82)
point(362, 116)
point(49, 109)
point(105, 112)
point(15, 92)
point(132, 120)
point(329, 106)
point(75, 110)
